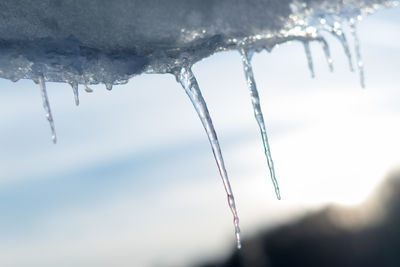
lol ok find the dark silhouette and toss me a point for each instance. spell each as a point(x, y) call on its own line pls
point(363, 236)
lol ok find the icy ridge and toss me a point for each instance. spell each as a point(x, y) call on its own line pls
point(56, 40)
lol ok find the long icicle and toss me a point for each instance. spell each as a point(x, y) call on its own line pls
point(325, 48)
point(255, 100)
point(46, 107)
point(74, 86)
point(309, 58)
point(360, 64)
point(189, 83)
point(339, 34)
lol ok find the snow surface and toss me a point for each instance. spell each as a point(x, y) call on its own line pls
point(108, 42)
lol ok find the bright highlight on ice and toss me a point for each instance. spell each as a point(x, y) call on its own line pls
point(60, 47)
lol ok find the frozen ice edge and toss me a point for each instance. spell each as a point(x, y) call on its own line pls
point(75, 58)
point(47, 44)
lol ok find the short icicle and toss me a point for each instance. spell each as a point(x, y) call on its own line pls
point(109, 86)
point(46, 106)
point(189, 83)
point(360, 64)
point(309, 58)
point(74, 86)
point(87, 88)
point(255, 100)
point(325, 48)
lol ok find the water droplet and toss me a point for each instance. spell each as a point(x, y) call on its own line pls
point(255, 100)
point(46, 106)
point(189, 83)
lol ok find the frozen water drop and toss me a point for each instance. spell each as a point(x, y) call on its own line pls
point(46, 106)
point(109, 86)
point(360, 64)
point(74, 86)
point(188, 81)
point(255, 101)
point(325, 48)
point(87, 88)
point(309, 58)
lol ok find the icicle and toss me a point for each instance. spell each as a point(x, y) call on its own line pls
point(46, 106)
point(325, 47)
point(309, 58)
point(109, 86)
point(360, 64)
point(339, 34)
point(189, 83)
point(255, 100)
point(87, 89)
point(74, 86)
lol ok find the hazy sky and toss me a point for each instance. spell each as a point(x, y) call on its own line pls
point(132, 180)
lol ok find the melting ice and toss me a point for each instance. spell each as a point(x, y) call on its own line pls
point(255, 101)
point(186, 77)
point(46, 106)
point(71, 44)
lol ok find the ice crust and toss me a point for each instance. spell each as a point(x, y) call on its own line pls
point(108, 42)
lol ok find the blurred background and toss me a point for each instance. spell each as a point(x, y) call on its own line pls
point(132, 180)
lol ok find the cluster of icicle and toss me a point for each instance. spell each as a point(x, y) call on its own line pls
point(307, 25)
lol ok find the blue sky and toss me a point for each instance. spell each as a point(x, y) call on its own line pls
point(132, 179)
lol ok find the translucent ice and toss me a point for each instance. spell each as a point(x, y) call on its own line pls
point(309, 58)
point(97, 41)
point(360, 64)
point(327, 52)
point(76, 92)
point(46, 106)
point(188, 81)
point(255, 101)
